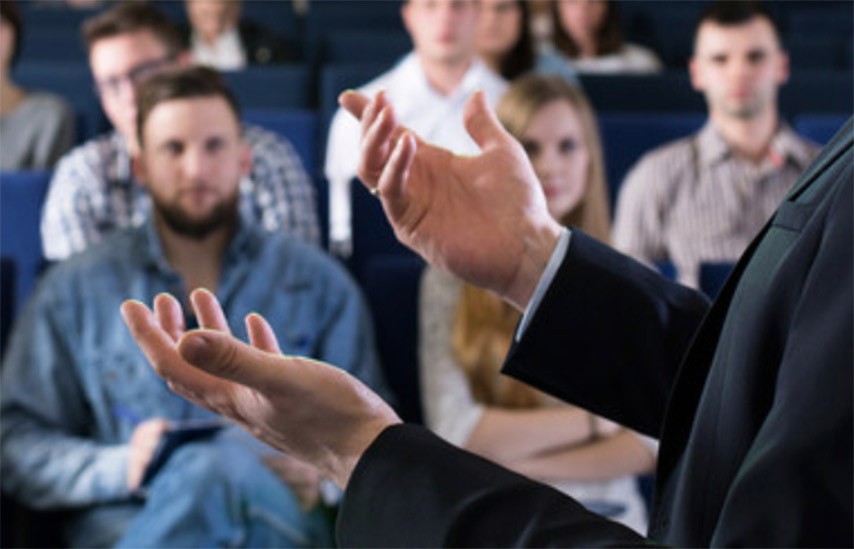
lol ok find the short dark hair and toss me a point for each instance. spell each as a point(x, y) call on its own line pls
point(609, 37)
point(181, 83)
point(132, 16)
point(730, 13)
point(12, 15)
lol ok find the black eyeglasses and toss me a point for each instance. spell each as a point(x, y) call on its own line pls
point(135, 76)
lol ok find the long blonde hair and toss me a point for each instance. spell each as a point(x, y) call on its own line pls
point(483, 324)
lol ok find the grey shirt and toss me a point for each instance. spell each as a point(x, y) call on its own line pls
point(36, 134)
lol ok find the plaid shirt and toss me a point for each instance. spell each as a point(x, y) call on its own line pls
point(93, 193)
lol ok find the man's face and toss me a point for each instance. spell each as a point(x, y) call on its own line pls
point(442, 31)
point(119, 64)
point(211, 18)
point(191, 161)
point(739, 68)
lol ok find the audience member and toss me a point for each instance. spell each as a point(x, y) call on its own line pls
point(217, 36)
point(82, 414)
point(93, 190)
point(588, 34)
point(36, 128)
point(466, 331)
point(703, 198)
point(428, 89)
point(505, 44)
point(751, 397)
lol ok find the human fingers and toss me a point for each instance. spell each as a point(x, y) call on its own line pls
point(208, 311)
point(228, 358)
point(396, 173)
point(162, 353)
point(372, 110)
point(377, 144)
point(169, 315)
point(482, 124)
point(261, 335)
point(353, 102)
point(142, 445)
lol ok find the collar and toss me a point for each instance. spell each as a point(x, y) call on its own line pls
point(411, 76)
point(786, 146)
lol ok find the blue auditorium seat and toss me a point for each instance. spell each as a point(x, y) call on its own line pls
point(334, 79)
point(73, 82)
point(365, 46)
point(391, 287)
point(669, 91)
point(272, 87)
point(334, 16)
point(819, 127)
point(627, 136)
point(297, 126)
point(21, 198)
point(53, 44)
point(372, 233)
point(817, 91)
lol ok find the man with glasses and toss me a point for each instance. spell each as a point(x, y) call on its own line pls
point(93, 190)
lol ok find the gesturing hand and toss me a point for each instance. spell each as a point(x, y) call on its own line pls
point(311, 410)
point(483, 218)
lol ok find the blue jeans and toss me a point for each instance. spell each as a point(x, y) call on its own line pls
point(214, 493)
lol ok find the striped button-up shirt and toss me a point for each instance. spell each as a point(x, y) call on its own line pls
point(93, 192)
point(695, 201)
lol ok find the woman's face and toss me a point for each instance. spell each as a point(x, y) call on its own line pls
point(554, 141)
point(7, 43)
point(582, 18)
point(498, 27)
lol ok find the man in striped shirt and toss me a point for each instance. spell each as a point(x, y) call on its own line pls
point(703, 198)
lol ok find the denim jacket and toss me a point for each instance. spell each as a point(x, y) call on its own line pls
point(75, 383)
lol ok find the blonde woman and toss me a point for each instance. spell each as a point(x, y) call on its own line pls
point(465, 332)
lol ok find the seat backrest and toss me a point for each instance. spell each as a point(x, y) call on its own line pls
point(272, 87)
point(72, 82)
point(819, 127)
point(21, 197)
point(391, 286)
point(299, 127)
point(372, 233)
point(628, 136)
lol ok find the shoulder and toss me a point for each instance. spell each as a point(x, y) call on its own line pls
point(86, 273)
point(663, 166)
point(267, 146)
point(48, 104)
point(95, 156)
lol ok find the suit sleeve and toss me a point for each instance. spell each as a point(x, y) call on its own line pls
point(412, 489)
point(609, 336)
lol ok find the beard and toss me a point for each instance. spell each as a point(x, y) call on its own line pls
point(224, 214)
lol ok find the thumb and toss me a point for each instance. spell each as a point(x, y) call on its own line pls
point(353, 102)
point(482, 124)
point(226, 357)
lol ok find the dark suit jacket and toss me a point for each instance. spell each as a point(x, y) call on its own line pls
point(752, 399)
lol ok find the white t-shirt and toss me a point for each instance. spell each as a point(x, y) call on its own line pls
point(436, 118)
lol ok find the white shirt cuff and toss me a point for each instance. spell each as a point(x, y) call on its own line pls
point(545, 281)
